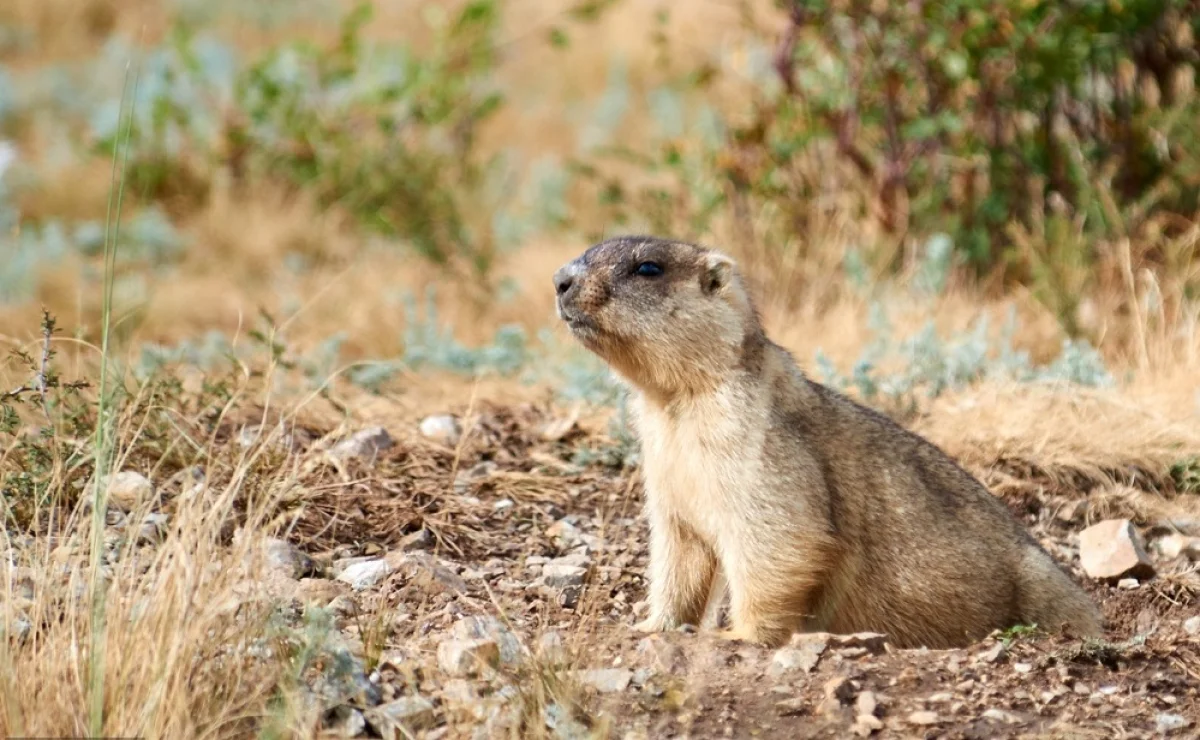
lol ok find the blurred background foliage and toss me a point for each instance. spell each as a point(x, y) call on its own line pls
point(1046, 146)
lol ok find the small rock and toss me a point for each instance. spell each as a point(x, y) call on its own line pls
point(941, 697)
point(872, 642)
point(442, 428)
point(365, 444)
point(276, 437)
point(468, 657)
point(349, 721)
point(607, 680)
point(565, 535)
point(1112, 550)
point(1167, 723)
point(866, 704)
point(551, 648)
point(790, 659)
point(1128, 584)
point(422, 539)
point(462, 481)
point(489, 628)
point(1191, 625)
point(999, 715)
point(365, 574)
point(1174, 545)
point(662, 654)
point(923, 718)
point(343, 606)
point(994, 654)
point(1022, 667)
point(557, 575)
point(400, 718)
point(866, 724)
point(283, 557)
point(127, 489)
point(837, 692)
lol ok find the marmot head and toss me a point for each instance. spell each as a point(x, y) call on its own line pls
point(668, 316)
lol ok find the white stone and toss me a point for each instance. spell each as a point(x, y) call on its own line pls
point(607, 680)
point(441, 428)
point(1167, 723)
point(365, 444)
point(365, 574)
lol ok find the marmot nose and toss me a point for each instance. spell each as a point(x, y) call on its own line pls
point(563, 280)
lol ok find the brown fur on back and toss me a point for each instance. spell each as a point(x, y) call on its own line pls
point(820, 513)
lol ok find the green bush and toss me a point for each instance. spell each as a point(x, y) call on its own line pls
point(967, 116)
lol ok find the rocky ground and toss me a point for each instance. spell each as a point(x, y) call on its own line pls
point(480, 577)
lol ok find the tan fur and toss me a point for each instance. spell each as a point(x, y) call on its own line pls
point(819, 513)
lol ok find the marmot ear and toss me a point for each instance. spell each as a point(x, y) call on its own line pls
point(718, 269)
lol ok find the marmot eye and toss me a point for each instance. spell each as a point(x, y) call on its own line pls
point(649, 269)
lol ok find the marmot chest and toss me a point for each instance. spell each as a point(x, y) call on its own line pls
point(702, 460)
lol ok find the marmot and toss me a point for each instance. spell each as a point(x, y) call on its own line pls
point(820, 513)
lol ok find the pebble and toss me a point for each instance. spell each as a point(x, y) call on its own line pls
point(422, 539)
point(1112, 550)
point(281, 556)
point(441, 428)
point(561, 575)
point(662, 654)
point(995, 653)
point(396, 719)
point(999, 715)
point(481, 628)
point(565, 534)
point(127, 489)
point(468, 657)
point(365, 574)
point(1166, 723)
point(1174, 545)
point(790, 659)
point(607, 680)
point(866, 704)
point(1191, 625)
point(866, 724)
point(551, 648)
point(365, 444)
point(923, 718)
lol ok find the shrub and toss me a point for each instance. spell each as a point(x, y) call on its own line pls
point(968, 116)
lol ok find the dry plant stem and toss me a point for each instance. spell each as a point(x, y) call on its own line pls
point(1139, 322)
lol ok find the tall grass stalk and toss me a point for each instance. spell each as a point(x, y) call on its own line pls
point(105, 422)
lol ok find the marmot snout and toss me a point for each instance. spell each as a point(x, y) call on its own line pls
point(818, 512)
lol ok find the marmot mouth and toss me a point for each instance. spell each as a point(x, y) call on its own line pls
point(578, 322)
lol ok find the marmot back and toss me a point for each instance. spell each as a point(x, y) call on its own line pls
point(821, 514)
